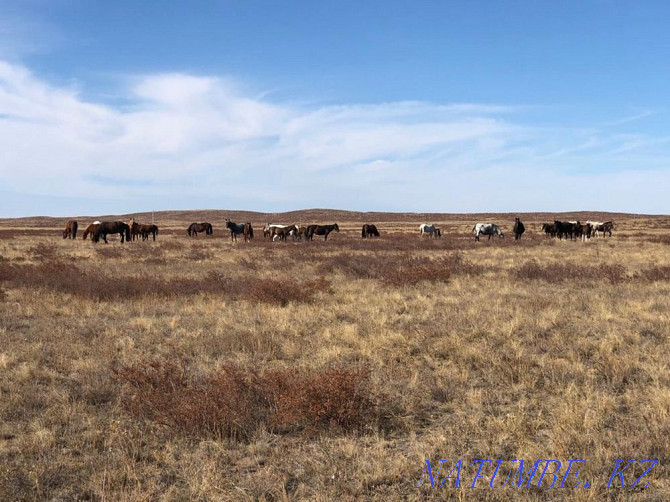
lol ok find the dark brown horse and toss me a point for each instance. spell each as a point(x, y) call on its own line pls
point(145, 230)
point(195, 228)
point(90, 229)
point(519, 228)
point(321, 230)
point(111, 227)
point(369, 231)
point(70, 229)
point(240, 228)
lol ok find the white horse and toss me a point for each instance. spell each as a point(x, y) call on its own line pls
point(489, 229)
point(426, 229)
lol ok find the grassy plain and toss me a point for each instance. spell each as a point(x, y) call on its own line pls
point(111, 355)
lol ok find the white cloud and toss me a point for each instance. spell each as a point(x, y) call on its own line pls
point(191, 141)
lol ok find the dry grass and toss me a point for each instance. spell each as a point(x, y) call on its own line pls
point(197, 369)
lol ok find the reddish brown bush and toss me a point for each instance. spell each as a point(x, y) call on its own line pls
point(235, 402)
point(67, 278)
point(338, 397)
point(560, 272)
point(658, 273)
point(41, 252)
point(400, 270)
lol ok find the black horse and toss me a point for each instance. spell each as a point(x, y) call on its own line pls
point(240, 228)
point(194, 228)
point(112, 227)
point(146, 230)
point(519, 228)
point(321, 230)
point(566, 228)
point(369, 231)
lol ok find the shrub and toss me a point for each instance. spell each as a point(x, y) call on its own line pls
point(236, 401)
point(560, 272)
point(399, 270)
point(657, 273)
point(68, 278)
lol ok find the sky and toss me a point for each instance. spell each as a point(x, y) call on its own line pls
point(422, 106)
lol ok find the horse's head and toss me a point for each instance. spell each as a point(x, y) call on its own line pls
point(336, 228)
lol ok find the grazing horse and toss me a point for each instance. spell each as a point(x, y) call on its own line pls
point(519, 228)
point(429, 230)
point(111, 227)
point(90, 229)
point(240, 228)
point(270, 230)
point(321, 230)
point(369, 231)
point(70, 229)
point(489, 229)
point(145, 230)
point(195, 228)
point(279, 232)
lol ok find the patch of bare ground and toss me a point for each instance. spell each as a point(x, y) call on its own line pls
point(200, 369)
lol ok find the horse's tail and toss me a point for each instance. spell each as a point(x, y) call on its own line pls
point(251, 230)
point(363, 232)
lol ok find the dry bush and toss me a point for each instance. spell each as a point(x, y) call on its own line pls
point(398, 271)
point(42, 252)
point(107, 252)
point(199, 253)
point(171, 245)
point(67, 278)
point(236, 402)
point(561, 272)
point(657, 273)
point(339, 397)
point(661, 239)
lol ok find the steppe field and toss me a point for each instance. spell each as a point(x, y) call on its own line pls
point(201, 369)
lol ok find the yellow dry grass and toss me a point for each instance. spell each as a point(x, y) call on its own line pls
point(487, 364)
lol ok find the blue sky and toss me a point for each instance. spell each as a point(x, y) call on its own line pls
point(116, 107)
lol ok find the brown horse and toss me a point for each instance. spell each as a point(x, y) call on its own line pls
point(321, 230)
point(134, 229)
point(282, 232)
point(194, 228)
point(145, 230)
point(90, 229)
point(70, 229)
point(111, 227)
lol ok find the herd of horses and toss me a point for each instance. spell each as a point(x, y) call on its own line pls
point(132, 230)
point(577, 230)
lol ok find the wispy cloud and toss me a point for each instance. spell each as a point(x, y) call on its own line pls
point(182, 140)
